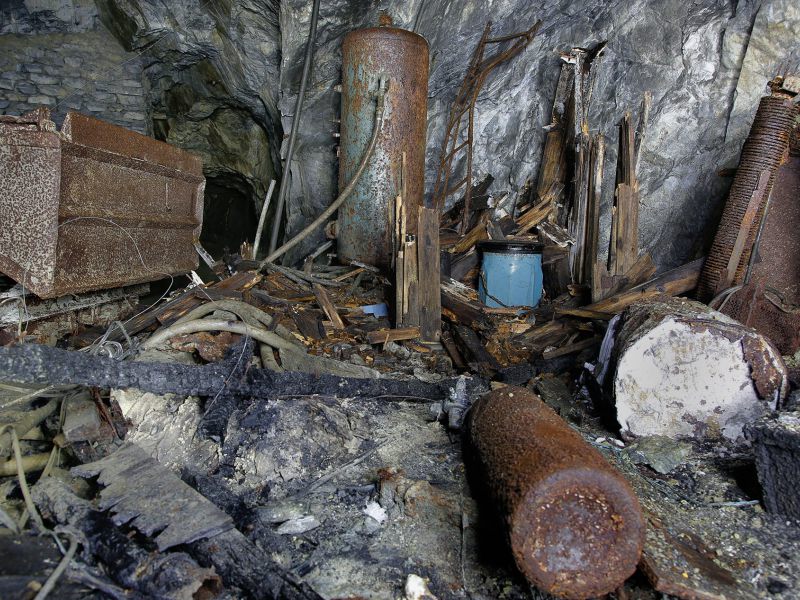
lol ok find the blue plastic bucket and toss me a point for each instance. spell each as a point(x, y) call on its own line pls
point(511, 273)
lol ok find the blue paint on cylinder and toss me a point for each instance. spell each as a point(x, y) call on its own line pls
point(511, 274)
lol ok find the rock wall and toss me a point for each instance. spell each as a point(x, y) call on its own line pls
point(212, 67)
point(60, 56)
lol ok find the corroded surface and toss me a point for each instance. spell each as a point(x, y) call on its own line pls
point(575, 526)
point(401, 57)
point(769, 303)
point(764, 150)
point(94, 207)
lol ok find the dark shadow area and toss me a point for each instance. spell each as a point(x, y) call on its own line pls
point(229, 214)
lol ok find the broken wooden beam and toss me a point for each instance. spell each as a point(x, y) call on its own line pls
point(429, 277)
point(672, 283)
point(37, 364)
point(381, 336)
point(327, 306)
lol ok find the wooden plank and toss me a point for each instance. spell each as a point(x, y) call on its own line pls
point(411, 285)
point(485, 364)
point(381, 336)
point(327, 306)
point(462, 309)
point(642, 270)
point(135, 487)
point(597, 154)
point(729, 274)
point(452, 350)
point(309, 323)
point(243, 280)
point(672, 283)
point(430, 297)
point(553, 167)
point(572, 348)
point(579, 215)
point(473, 236)
point(536, 214)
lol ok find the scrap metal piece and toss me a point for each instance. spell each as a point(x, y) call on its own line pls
point(575, 526)
point(94, 206)
point(764, 150)
point(770, 303)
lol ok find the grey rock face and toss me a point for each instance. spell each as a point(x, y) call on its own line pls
point(213, 70)
point(47, 16)
point(72, 71)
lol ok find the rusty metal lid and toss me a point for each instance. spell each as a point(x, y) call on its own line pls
point(510, 247)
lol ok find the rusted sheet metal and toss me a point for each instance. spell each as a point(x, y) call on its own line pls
point(764, 150)
point(365, 223)
point(94, 206)
point(575, 526)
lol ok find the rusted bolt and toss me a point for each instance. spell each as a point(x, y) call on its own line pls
point(575, 526)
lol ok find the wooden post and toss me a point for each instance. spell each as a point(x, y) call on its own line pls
point(430, 298)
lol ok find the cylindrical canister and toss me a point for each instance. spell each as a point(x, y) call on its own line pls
point(366, 219)
point(511, 273)
point(574, 524)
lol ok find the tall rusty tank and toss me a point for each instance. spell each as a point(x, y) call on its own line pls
point(365, 221)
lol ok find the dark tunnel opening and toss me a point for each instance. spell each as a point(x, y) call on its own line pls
point(230, 216)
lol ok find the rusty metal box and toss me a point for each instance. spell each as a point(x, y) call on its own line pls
point(94, 205)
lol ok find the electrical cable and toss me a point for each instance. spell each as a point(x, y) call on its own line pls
point(347, 190)
point(298, 109)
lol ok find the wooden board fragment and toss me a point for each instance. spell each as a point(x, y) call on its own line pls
point(428, 262)
point(381, 336)
point(151, 498)
point(327, 306)
point(672, 283)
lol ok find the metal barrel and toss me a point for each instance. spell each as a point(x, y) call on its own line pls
point(575, 526)
point(366, 219)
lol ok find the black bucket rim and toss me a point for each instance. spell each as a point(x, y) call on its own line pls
point(509, 247)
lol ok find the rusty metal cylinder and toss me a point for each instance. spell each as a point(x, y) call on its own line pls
point(366, 219)
point(574, 524)
point(764, 150)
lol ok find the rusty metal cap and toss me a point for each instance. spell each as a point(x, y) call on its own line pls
point(578, 534)
point(385, 35)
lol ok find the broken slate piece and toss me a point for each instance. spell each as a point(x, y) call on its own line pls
point(679, 369)
point(298, 526)
point(661, 453)
point(280, 511)
point(152, 499)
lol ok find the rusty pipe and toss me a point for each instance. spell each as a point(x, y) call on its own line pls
point(574, 524)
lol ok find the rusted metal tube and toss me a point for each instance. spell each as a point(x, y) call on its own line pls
point(764, 150)
point(365, 219)
point(575, 526)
